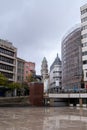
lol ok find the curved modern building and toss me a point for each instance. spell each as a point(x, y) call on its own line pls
point(72, 60)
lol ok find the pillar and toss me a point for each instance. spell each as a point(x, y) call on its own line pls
point(80, 102)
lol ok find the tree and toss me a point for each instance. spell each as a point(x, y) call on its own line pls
point(25, 88)
point(3, 80)
point(31, 78)
point(14, 86)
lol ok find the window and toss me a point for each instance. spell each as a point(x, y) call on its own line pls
point(7, 52)
point(6, 67)
point(84, 27)
point(84, 36)
point(56, 71)
point(26, 66)
point(85, 62)
point(84, 44)
point(83, 11)
point(5, 59)
point(84, 53)
point(84, 19)
point(8, 75)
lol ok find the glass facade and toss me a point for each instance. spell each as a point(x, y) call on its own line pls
point(20, 70)
point(72, 59)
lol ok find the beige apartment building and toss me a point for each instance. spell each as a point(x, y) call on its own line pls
point(8, 54)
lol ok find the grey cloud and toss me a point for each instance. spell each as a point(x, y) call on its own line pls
point(36, 27)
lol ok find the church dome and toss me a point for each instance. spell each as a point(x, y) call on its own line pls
point(57, 61)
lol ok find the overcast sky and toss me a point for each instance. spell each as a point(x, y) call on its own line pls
point(36, 27)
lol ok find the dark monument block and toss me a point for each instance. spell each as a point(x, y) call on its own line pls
point(36, 93)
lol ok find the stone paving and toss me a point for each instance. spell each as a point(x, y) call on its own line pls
point(43, 118)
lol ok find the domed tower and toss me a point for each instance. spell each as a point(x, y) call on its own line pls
point(44, 69)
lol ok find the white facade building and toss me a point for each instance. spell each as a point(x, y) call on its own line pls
point(55, 75)
point(46, 85)
point(84, 40)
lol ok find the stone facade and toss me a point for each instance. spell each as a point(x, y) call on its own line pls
point(44, 69)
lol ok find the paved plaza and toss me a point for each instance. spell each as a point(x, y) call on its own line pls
point(43, 118)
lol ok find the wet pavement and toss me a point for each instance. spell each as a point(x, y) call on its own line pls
point(43, 118)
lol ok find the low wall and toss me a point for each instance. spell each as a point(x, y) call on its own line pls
point(14, 101)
